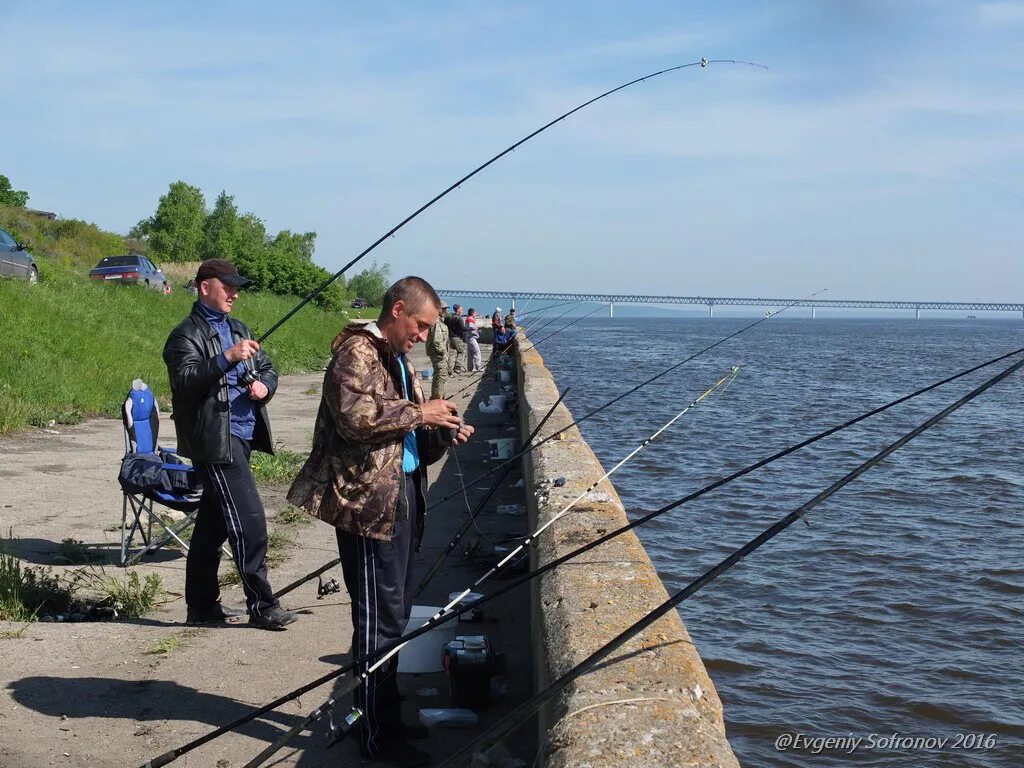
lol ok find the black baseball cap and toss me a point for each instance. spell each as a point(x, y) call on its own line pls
point(223, 270)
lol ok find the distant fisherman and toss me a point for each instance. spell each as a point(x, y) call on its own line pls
point(221, 382)
point(375, 434)
point(438, 351)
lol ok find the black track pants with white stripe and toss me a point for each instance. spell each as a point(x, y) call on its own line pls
point(231, 510)
point(379, 579)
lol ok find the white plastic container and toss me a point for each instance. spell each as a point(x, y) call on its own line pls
point(494, 404)
point(503, 448)
point(424, 653)
point(505, 376)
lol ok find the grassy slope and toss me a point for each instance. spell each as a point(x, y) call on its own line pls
point(69, 348)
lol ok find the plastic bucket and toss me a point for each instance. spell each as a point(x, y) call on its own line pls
point(427, 373)
point(425, 653)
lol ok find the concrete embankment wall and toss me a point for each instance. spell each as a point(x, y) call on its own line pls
point(651, 703)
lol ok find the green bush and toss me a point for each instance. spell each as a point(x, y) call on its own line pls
point(131, 597)
point(27, 593)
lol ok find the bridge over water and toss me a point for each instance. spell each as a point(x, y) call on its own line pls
point(740, 301)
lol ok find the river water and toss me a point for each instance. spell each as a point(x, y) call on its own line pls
point(901, 608)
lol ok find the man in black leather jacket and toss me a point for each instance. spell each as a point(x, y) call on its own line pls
point(221, 382)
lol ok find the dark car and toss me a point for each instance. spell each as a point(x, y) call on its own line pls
point(360, 304)
point(133, 269)
point(15, 261)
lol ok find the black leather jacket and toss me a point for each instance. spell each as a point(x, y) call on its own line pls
point(199, 390)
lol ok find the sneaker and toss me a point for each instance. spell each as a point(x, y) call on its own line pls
point(272, 618)
point(398, 752)
point(219, 614)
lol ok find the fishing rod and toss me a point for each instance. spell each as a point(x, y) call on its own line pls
point(511, 148)
point(328, 706)
point(439, 561)
point(627, 393)
point(551, 321)
point(520, 714)
point(173, 754)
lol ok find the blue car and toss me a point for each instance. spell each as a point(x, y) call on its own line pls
point(133, 269)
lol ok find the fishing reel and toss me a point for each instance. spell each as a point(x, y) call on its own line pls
point(337, 732)
point(246, 375)
point(331, 587)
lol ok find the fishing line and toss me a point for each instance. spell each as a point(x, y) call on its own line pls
point(173, 754)
point(328, 706)
point(629, 392)
point(391, 232)
point(522, 713)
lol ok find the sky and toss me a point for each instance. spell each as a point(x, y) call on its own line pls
point(880, 155)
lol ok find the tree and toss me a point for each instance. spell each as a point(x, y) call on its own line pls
point(251, 254)
point(221, 230)
point(371, 283)
point(10, 196)
point(176, 233)
point(141, 230)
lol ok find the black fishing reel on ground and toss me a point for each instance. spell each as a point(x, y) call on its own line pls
point(330, 588)
point(337, 732)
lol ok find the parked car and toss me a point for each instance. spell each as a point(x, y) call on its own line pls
point(15, 261)
point(133, 269)
point(360, 304)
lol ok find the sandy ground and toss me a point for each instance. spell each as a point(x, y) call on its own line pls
point(88, 694)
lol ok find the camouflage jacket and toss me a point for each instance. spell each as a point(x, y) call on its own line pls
point(437, 340)
point(353, 478)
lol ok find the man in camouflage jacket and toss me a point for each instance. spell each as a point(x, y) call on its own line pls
point(366, 476)
point(438, 352)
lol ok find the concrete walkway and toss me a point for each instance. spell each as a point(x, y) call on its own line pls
point(89, 694)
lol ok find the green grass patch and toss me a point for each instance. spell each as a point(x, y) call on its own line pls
point(27, 593)
point(14, 632)
point(75, 552)
point(131, 596)
point(293, 516)
point(278, 469)
point(278, 544)
point(165, 646)
point(72, 347)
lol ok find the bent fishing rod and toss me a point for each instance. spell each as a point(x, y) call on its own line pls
point(511, 148)
point(328, 706)
point(173, 754)
point(521, 714)
point(626, 394)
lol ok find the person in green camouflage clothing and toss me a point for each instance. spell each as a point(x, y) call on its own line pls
point(438, 351)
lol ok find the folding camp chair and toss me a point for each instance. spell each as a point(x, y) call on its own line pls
point(151, 475)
